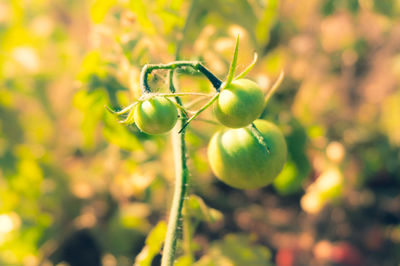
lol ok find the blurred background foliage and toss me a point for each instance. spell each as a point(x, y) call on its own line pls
point(78, 188)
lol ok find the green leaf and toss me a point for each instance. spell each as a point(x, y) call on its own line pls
point(153, 245)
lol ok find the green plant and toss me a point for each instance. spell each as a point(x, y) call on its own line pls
point(155, 114)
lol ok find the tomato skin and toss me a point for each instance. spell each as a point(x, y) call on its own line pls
point(239, 160)
point(239, 104)
point(157, 115)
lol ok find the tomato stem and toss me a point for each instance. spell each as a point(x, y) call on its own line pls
point(260, 138)
point(181, 180)
point(147, 96)
point(211, 101)
point(196, 65)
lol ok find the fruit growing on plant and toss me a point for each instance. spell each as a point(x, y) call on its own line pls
point(157, 115)
point(238, 159)
point(245, 158)
point(239, 104)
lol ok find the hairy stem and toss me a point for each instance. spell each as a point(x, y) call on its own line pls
point(147, 69)
point(181, 180)
point(152, 95)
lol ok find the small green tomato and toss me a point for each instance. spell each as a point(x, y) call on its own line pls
point(239, 104)
point(157, 115)
point(239, 160)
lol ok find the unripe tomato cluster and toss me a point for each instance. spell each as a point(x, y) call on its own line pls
point(235, 154)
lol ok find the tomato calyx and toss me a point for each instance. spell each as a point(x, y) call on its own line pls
point(260, 138)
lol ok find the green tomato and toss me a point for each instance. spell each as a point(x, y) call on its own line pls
point(239, 160)
point(239, 104)
point(157, 115)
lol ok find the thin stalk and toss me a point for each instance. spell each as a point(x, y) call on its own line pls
point(152, 95)
point(182, 109)
point(196, 65)
point(211, 101)
point(194, 102)
point(179, 150)
point(181, 180)
point(274, 87)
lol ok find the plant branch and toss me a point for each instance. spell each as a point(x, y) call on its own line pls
point(196, 65)
point(150, 95)
point(181, 180)
point(211, 101)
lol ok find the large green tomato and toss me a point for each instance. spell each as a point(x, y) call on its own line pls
point(157, 115)
point(239, 104)
point(239, 160)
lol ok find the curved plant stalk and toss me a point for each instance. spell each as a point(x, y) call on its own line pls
point(152, 95)
point(196, 65)
point(248, 68)
point(274, 87)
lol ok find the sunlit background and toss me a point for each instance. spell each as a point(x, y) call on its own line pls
point(79, 188)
